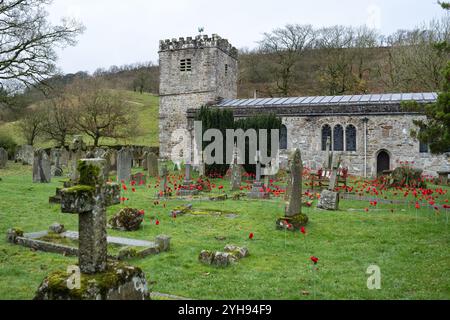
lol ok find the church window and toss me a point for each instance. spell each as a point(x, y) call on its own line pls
point(226, 69)
point(350, 138)
point(338, 138)
point(326, 132)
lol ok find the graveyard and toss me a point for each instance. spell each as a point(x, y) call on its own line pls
point(307, 158)
point(409, 245)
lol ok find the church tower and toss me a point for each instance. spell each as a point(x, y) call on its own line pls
point(193, 72)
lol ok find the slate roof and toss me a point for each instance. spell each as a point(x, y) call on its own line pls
point(367, 99)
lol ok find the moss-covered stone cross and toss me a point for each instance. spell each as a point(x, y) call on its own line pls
point(89, 199)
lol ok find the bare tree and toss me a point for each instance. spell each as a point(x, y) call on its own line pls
point(337, 59)
point(27, 41)
point(31, 124)
point(101, 113)
point(59, 118)
point(287, 44)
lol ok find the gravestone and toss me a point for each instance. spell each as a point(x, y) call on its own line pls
point(144, 161)
point(163, 188)
point(25, 154)
point(3, 157)
point(293, 216)
point(236, 172)
point(77, 152)
point(152, 164)
point(124, 162)
point(41, 167)
point(258, 190)
point(329, 199)
point(57, 170)
point(188, 188)
point(89, 200)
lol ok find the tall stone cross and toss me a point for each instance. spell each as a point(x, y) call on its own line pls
point(294, 196)
point(89, 199)
point(329, 153)
point(258, 167)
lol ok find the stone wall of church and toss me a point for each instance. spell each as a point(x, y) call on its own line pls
point(384, 132)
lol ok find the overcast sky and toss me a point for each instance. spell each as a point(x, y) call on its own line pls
point(122, 32)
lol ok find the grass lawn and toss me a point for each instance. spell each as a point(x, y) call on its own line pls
point(413, 251)
point(145, 106)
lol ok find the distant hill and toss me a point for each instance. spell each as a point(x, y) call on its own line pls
point(145, 108)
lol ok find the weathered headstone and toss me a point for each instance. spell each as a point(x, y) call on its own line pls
point(41, 167)
point(57, 170)
point(258, 190)
point(77, 152)
point(188, 188)
point(294, 202)
point(293, 211)
point(124, 162)
point(152, 164)
point(236, 172)
point(163, 188)
point(25, 155)
point(3, 157)
point(89, 200)
point(329, 199)
point(144, 161)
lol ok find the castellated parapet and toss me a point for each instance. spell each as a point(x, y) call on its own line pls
point(193, 72)
point(199, 42)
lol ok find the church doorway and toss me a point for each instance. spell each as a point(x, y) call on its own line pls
point(383, 162)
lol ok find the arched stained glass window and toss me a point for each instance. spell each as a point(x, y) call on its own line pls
point(326, 132)
point(350, 138)
point(338, 138)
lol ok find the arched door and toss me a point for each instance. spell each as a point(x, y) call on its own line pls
point(383, 162)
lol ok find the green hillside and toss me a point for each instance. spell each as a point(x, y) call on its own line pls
point(145, 108)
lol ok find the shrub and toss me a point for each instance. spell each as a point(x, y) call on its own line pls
point(406, 176)
point(8, 143)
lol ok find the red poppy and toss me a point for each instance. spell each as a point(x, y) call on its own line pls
point(303, 230)
point(141, 212)
point(251, 235)
point(366, 209)
point(314, 259)
point(133, 183)
point(157, 222)
point(133, 189)
point(124, 187)
point(417, 205)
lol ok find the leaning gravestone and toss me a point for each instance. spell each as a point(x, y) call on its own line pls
point(329, 199)
point(41, 167)
point(3, 157)
point(100, 279)
point(124, 162)
point(293, 211)
point(152, 164)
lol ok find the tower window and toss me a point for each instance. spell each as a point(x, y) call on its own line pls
point(185, 65)
point(226, 69)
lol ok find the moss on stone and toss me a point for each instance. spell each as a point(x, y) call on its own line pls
point(115, 275)
point(19, 232)
point(80, 189)
point(89, 174)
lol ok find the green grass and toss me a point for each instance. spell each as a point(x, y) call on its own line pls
point(413, 255)
point(144, 106)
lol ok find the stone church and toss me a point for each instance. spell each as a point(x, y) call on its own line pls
point(371, 132)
